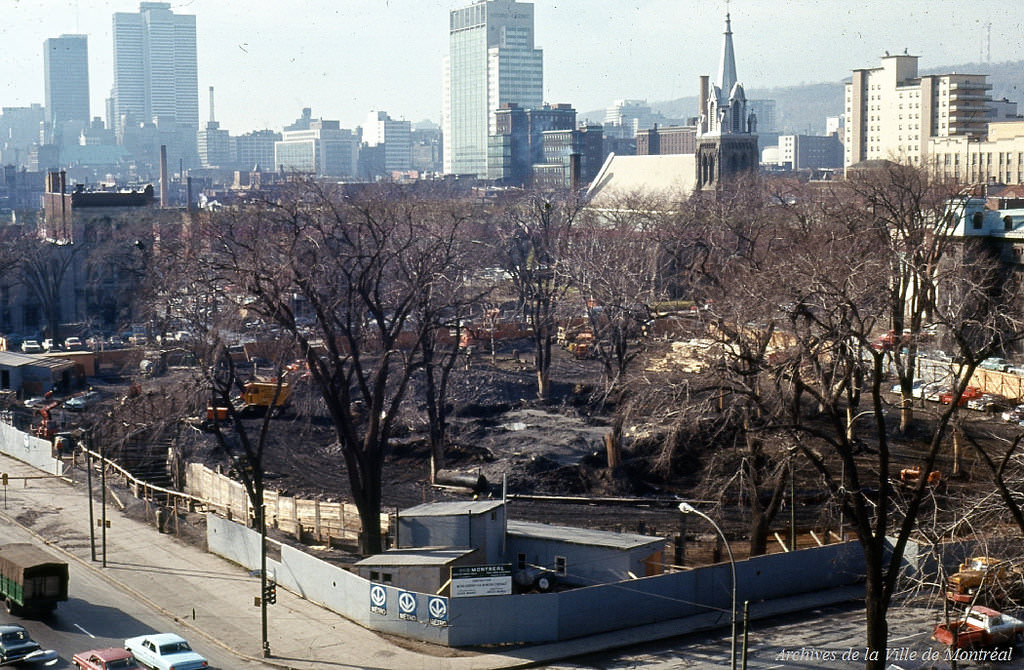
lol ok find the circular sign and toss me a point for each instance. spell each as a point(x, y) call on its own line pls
point(406, 602)
point(438, 608)
point(378, 596)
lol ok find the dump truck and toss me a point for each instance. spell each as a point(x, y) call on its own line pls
point(32, 580)
point(996, 579)
point(980, 627)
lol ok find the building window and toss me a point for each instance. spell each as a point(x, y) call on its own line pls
point(976, 220)
point(561, 566)
point(387, 578)
point(1007, 222)
point(374, 576)
point(520, 561)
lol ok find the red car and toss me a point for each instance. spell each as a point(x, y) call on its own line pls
point(114, 658)
point(970, 393)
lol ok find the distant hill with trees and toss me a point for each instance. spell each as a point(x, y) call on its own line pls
point(803, 109)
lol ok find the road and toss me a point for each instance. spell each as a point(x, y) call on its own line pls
point(823, 638)
point(97, 615)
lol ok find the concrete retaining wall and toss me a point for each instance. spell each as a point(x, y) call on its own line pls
point(35, 451)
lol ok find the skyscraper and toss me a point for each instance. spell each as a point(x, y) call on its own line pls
point(155, 68)
point(66, 79)
point(491, 61)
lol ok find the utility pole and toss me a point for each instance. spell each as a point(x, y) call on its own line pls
point(88, 478)
point(262, 514)
point(103, 504)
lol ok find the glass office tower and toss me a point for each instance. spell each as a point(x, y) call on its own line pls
point(491, 61)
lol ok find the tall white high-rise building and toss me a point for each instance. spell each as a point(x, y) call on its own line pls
point(66, 79)
point(155, 66)
point(491, 61)
point(894, 113)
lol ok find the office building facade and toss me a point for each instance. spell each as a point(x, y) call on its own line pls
point(491, 61)
point(394, 138)
point(66, 80)
point(517, 143)
point(323, 150)
point(156, 76)
point(255, 150)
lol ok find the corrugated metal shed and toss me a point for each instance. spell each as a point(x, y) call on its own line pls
point(13, 359)
point(580, 536)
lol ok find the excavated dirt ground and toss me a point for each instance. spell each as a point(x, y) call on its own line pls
point(501, 431)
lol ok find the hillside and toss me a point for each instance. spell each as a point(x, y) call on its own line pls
point(802, 109)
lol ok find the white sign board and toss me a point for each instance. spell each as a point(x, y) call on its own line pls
point(481, 580)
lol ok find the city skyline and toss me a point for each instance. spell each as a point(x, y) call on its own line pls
point(279, 57)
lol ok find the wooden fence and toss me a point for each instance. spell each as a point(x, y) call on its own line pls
point(323, 521)
point(1005, 384)
point(211, 491)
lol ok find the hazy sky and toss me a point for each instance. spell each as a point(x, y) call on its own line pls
point(267, 59)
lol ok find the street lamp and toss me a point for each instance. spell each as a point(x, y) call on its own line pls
point(687, 508)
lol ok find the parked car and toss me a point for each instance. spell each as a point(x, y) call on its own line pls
point(164, 651)
point(1013, 415)
point(106, 659)
point(970, 393)
point(988, 402)
point(16, 646)
point(73, 344)
point(80, 403)
point(995, 363)
point(915, 390)
point(31, 347)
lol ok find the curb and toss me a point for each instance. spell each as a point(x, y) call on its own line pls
point(100, 572)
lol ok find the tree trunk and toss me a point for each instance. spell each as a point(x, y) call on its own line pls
point(543, 384)
point(875, 609)
point(366, 494)
point(758, 534)
point(906, 413)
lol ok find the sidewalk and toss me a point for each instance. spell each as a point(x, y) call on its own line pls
point(200, 589)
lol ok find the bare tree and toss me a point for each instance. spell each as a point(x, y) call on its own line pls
point(534, 233)
point(46, 269)
point(360, 264)
point(614, 265)
point(904, 208)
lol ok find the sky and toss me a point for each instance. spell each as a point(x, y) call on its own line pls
point(267, 59)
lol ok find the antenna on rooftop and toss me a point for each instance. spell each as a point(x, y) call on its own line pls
point(988, 42)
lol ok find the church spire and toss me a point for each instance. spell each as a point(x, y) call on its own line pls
point(727, 66)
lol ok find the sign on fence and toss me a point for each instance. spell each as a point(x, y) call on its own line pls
point(481, 580)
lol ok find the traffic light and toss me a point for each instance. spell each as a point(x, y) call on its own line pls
point(5, 479)
point(270, 592)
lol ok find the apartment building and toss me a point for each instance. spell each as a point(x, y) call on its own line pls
point(893, 113)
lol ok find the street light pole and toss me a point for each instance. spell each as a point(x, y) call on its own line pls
point(687, 508)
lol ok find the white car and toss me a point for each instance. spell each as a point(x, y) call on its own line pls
point(164, 651)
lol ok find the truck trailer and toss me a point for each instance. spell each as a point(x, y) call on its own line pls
point(32, 580)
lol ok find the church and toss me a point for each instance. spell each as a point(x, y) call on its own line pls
point(726, 144)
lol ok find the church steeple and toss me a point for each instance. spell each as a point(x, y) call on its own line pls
point(727, 66)
point(726, 134)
